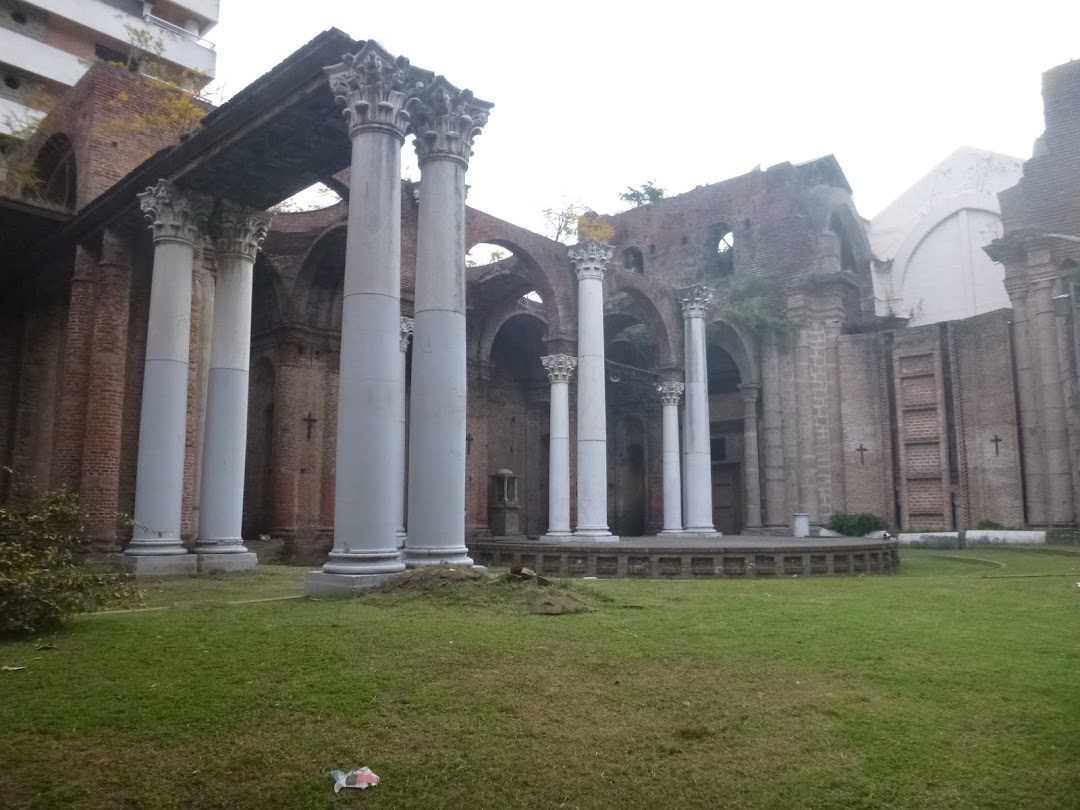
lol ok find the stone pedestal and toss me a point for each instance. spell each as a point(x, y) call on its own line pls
point(670, 393)
point(698, 482)
point(220, 546)
point(589, 260)
point(445, 120)
point(177, 221)
point(559, 368)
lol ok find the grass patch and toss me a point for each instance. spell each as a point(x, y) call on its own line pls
point(950, 685)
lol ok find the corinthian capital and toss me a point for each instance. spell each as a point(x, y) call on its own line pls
point(445, 121)
point(559, 367)
point(406, 332)
point(241, 230)
point(175, 215)
point(670, 392)
point(695, 300)
point(589, 258)
point(374, 87)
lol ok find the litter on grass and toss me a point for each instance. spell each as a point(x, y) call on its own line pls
point(361, 778)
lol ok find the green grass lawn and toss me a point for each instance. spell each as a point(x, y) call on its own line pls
point(955, 684)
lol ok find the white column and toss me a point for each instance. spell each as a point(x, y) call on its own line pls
point(406, 333)
point(589, 260)
point(445, 120)
point(374, 89)
point(220, 546)
point(559, 369)
point(670, 393)
point(177, 218)
point(699, 519)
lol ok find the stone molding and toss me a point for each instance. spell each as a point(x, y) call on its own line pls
point(445, 120)
point(670, 392)
point(175, 215)
point(374, 88)
point(406, 333)
point(695, 300)
point(559, 367)
point(750, 392)
point(590, 258)
point(241, 230)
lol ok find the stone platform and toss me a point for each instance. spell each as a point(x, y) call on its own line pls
point(675, 557)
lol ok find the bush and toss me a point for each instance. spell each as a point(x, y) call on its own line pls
point(989, 525)
point(40, 583)
point(856, 525)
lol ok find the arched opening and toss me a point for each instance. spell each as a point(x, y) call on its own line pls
point(54, 173)
point(628, 477)
point(847, 252)
point(725, 430)
point(258, 493)
point(721, 250)
point(325, 267)
point(633, 260)
point(517, 420)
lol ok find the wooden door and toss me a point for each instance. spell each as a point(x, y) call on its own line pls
point(727, 512)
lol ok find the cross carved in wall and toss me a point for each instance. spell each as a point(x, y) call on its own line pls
point(311, 420)
point(862, 452)
point(468, 443)
point(996, 441)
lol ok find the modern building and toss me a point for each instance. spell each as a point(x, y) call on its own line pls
point(47, 45)
point(929, 264)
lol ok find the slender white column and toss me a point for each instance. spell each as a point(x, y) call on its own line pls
point(589, 260)
point(751, 468)
point(406, 333)
point(445, 121)
point(559, 369)
point(220, 546)
point(670, 393)
point(374, 89)
point(699, 519)
point(177, 218)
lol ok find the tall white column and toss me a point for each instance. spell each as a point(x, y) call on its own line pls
point(220, 546)
point(559, 369)
point(445, 121)
point(670, 393)
point(177, 219)
point(374, 89)
point(589, 260)
point(699, 518)
point(406, 333)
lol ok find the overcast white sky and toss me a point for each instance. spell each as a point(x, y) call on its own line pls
point(593, 96)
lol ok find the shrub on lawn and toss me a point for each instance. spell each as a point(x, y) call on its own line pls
point(856, 525)
point(41, 583)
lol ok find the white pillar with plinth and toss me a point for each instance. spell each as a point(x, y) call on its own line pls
point(670, 394)
point(698, 481)
point(559, 369)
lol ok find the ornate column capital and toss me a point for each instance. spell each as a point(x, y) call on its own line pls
point(1016, 287)
point(375, 88)
point(589, 258)
point(241, 230)
point(175, 215)
point(559, 367)
point(695, 300)
point(445, 120)
point(670, 392)
point(750, 392)
point(406, 333)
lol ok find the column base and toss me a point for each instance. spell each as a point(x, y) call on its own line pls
point(419, 557)
point(321, 585)
point(595, 536)
point(559, 537)
point(364, 563)
point(695, 534)
point(156, 566)
point(671, 531)
point(225, 562)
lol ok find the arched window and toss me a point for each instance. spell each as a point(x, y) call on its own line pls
point(721, 247)
point(847, 253)
point(54, 172)
point(633, 260)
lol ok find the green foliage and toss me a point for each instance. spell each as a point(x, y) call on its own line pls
point(591, 226)
point(857, 524)
point(989, 525)
point(745, 302)
point(562, 222)
point(646, 194)
point(41, 584)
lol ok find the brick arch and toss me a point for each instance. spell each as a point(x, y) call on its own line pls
point(55, 172)
point(644, 296)
point(735, 342)
point(302, 302)
point(499, 316)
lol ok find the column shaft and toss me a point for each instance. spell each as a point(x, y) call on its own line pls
point(559, 368)
point(807, 467)
point(751, 470)
point(672, 458)
point(1055, 448)
point(406, 331)
point(775, 484)
point(699, 517)
point(1028, 399)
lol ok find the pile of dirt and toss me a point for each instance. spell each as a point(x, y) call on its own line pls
point(465, 586)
